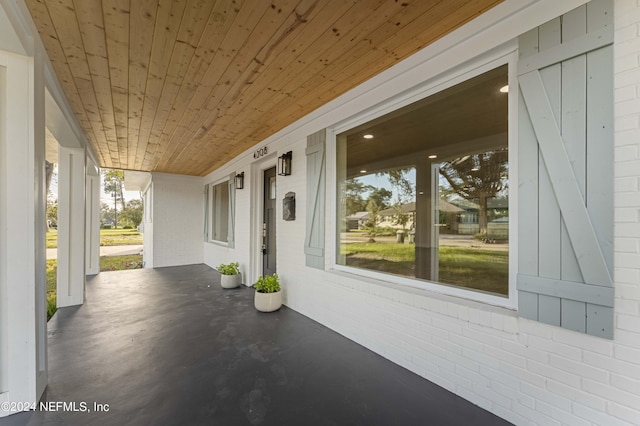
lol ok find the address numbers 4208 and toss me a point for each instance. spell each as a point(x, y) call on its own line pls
point(260, 152)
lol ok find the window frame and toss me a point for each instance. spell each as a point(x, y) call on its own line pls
point(210, 219)
point(508, 55)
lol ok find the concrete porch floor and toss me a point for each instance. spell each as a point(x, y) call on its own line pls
point(169, 346)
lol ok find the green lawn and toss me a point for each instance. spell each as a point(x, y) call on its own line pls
point(480, 269)
point(119, 263)
point(108, 237)
point(107, 263)
point(52, 239)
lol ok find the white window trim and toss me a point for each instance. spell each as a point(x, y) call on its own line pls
point(506, 54)
point(210, 239)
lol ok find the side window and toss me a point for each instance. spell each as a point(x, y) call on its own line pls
point(219, 196)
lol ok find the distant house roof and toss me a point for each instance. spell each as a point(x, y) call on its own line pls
point(358, 216)
point(443, 206)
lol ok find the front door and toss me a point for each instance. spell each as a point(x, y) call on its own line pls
point(269, 223)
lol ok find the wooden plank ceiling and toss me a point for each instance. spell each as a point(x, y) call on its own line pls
point(183, 86)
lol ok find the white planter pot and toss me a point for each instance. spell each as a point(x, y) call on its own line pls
point(230, 281)
point(268, 302)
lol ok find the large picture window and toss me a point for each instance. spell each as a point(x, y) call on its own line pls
point(219, 196)
point(423, 192)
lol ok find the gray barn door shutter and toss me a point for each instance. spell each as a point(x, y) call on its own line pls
point(565, 167)
point(205, 233)
point(232, 211)
point(314, 237)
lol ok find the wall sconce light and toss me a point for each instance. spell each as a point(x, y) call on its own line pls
point(240, 180)
point(284, 164)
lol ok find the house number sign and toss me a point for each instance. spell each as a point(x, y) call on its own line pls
point(260, 152)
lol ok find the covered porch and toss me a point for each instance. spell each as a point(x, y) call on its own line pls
point(170, 346)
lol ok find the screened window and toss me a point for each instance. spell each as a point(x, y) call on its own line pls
point(423, 192)
point(219, 230)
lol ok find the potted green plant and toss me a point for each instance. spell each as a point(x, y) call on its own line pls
point(268, 297)
point(230, 275)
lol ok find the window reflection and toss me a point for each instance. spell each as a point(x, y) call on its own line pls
point(427, 196)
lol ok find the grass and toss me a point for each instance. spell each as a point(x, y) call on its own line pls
point(52, 271)
point(120, 237)
point(107, 263)
point(480, 269)
point(108, 237)
point(120, 263)
point(52, 239)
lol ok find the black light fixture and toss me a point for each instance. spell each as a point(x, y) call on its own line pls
point(284, 164)
point(240, 180)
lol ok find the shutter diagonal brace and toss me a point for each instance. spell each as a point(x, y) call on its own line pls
point(307, 243)
point(565, 186)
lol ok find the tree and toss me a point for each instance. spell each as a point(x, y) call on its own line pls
point(106, 213)
point(52, 211)
point(113, 184)
point(132, 214)
point(401, 183)
point(49, 169)
point(353, 192)
point(381, 197)
point(478, 177)
point(404, 194)
point(373, 208)
point(400, 217)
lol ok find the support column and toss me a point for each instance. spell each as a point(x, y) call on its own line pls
point(92, 220)
point(23, 351)
point(426, 238)
point(71, 226)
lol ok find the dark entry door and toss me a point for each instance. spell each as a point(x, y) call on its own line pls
point(269, 223)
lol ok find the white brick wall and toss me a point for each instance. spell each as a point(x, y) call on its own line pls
point(177, 220)
point(521, 370)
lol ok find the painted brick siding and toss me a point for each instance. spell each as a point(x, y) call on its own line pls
point(521, 370)
point(524, 371)
point(177, 220)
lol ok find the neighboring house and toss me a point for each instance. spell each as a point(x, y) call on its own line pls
point(453, 219)
point(449, 214)
point(560, 346)
point(357, 220)
point(468, 223)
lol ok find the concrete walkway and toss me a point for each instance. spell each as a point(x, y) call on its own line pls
point(52, 253)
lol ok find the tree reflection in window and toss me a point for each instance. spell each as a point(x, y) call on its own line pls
point(427, 198)
point(478, 177)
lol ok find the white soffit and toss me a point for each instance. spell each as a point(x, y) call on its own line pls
point(136, 181)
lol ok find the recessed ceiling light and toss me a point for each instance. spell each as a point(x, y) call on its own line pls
point(363, 171)
point(368, 136)
point(432, 156)
point(504, 89)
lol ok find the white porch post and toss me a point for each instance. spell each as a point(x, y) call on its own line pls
point(71, 226)
point(23, 360)
point(92, 235)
